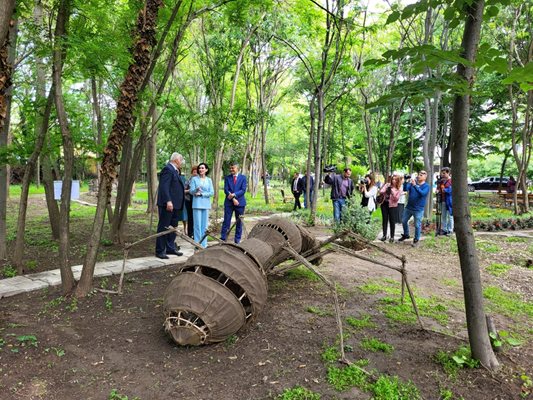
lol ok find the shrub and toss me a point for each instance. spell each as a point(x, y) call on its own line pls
point(357, 219)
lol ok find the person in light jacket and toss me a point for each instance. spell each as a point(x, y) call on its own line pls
point(369, 191)
point(389, 207)
point(201, 190)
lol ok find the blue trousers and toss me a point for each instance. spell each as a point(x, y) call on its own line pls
point(201, 221)
point(166, 242)
point(338, 205)
point(307, 203)
point(446, 220)
point(228, 213)
point(418, 215)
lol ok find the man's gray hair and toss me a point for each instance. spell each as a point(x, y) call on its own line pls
point(176, 156)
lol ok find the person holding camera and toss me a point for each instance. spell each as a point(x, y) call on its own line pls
point(391, 195)
point(341, 189)
point(444, 198)
point(369, 190)
point(417, 191)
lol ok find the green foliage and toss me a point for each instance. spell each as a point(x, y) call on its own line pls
point(298, 393)
point(27, 340)
point(231, 340)
point(360, 323)
point(498, 269)
point(509, 304)
point(487, 247)
point(347, 377)
point(331, 354)
point(357, 219)
point(115, 395)
point(9, 271)
point(388, 388)
point(374, 344)
point(453, 362)
point(108, 303)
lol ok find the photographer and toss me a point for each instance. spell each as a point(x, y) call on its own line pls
point(417, 190)
point(368, 189)
point(444, 198)
point(341, 189)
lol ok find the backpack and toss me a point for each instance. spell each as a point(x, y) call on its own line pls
point(380, 198)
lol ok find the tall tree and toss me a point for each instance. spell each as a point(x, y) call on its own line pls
point(145, 39)
point(475, 315)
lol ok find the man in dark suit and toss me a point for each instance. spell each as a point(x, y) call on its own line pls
point(234, 189)
point(170, 200)
point(297, 187)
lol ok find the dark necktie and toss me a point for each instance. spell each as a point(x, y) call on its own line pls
point(234, 179)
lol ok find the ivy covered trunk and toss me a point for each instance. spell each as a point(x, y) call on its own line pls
point(475, 315)
point(145, 40)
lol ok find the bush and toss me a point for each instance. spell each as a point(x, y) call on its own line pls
point(357, 219)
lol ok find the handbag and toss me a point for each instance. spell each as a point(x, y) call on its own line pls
point(380, 198)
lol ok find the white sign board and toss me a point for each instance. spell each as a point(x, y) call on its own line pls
point(74, 191)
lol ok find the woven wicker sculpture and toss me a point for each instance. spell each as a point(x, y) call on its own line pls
point(223, 287)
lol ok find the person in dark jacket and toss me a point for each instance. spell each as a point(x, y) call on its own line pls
point(297, 188)
point(170, 200)
point(417, 190)
point(341, 189)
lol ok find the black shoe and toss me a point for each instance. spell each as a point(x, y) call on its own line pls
point(162, 256)
point(391, 240)
point(415, 243)
point(174, 252)
point(403, 238)
point(383, 238)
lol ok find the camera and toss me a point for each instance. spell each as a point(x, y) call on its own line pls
point(330, 168)
point(407, 177)
point(362, 181)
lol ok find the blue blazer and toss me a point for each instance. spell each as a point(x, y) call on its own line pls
point(203, 201)
point(170, 188)
point(239, 189)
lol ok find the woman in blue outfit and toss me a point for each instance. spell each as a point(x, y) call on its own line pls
point(201, 190)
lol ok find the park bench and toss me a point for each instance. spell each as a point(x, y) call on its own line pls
point(508, 199)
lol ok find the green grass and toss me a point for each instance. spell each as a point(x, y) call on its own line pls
point(514, 239)
point(376, 345)
point(318, 311)
point(487, 247)
point(509, 304)
point(350, 376)
point(298, 393)
point(404, 313)
point(360, 323)
point(498, 269)
point(303, 273)
point(451, 282)
point(331, 354)
point(388, 388)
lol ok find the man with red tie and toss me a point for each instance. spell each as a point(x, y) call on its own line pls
point(234, 189)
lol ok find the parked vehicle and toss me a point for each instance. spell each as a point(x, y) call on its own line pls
point(488, 183)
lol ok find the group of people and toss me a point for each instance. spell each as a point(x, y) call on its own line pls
point(299, 186)
point(189, 201)
point(391, 198)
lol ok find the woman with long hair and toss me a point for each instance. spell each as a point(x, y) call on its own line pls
point(389, 207)
point(201, 190)
point(369, 191)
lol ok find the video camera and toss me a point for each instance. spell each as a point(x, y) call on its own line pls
point(330, 168)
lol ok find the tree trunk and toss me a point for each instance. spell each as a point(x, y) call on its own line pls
point(145, 40)
point(7, 58)
point(51, 203)
point(97, 118)
point(67, 277)
point(475, 315)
